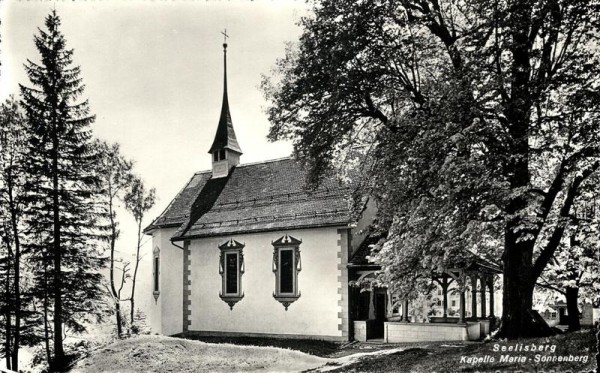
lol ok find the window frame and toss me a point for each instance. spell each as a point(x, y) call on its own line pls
point(228, 248)
point(219, 155)
point(286, 243)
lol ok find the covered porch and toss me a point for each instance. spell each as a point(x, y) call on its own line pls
point(379, 315)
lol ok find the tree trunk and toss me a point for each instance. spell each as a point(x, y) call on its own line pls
point(7, 317)
point(118, 318)
point(518, 318)
point(137, 262)
point(58, 362)
point(113, 239)
point(46, 306)
point(16, 279)
point(572, 295)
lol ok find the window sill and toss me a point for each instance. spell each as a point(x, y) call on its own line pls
point(286, 300)
point(231, 300)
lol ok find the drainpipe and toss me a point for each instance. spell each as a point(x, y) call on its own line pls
point(174, 244)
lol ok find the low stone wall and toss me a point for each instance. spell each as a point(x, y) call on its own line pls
point(363, 330)
point(360, 331)
point(485, 327)
point(396, 332)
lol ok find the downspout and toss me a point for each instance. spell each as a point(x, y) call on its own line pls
point(174, 244)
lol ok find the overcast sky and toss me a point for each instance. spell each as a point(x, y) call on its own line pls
point(153, 75)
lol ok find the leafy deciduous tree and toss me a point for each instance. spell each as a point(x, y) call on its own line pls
point(138, 201)
point(479, 119)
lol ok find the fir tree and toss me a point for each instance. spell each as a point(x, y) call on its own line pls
point(64, 215)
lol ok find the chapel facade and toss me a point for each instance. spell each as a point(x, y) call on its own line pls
point(249, 249)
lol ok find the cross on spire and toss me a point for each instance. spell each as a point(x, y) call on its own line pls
point(225, 36)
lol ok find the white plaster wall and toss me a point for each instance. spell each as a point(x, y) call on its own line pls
point(166, 313)
point(315, 313)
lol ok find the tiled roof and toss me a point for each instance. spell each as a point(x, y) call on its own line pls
point(253, 198)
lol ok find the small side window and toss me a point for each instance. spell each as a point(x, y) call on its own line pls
point(216, 156)
point(222, 155)
point(156, 273)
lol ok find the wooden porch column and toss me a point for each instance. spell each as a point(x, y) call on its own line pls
point(483, 286)
point(405, 311)
point(461, 318)
point(490, 281)
point(371, 304)
point(473, 296)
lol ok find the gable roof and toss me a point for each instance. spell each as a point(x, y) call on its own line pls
point(258, 197)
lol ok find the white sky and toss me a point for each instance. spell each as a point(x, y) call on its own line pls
point(153, 75)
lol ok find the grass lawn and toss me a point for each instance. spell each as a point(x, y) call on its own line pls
point(235, 354)
point(166, 354)
point(449, 357)
point(309, 346)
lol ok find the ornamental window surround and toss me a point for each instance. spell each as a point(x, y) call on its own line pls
point(231, 269)
point(156, 273)
point(286, 266)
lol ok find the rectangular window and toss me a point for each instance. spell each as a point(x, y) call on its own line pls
point(231, 271)
point(286, 276)
point(453, 303)
point(222, 155)
point(156, 261)
point(286, 265)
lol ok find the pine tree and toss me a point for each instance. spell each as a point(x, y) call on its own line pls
point(64, 215)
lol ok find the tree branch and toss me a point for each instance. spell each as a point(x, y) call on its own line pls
point(548, 251)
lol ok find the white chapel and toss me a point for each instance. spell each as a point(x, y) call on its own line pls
point(250, 250)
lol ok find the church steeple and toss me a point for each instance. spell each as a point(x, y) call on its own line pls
point(225, 149)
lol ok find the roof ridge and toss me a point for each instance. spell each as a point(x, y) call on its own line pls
point(267, 161)
point(251, 164)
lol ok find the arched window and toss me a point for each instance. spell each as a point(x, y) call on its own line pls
point(231, 269)
point(286, 265)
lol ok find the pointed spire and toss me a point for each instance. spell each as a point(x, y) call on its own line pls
point(225, 137)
